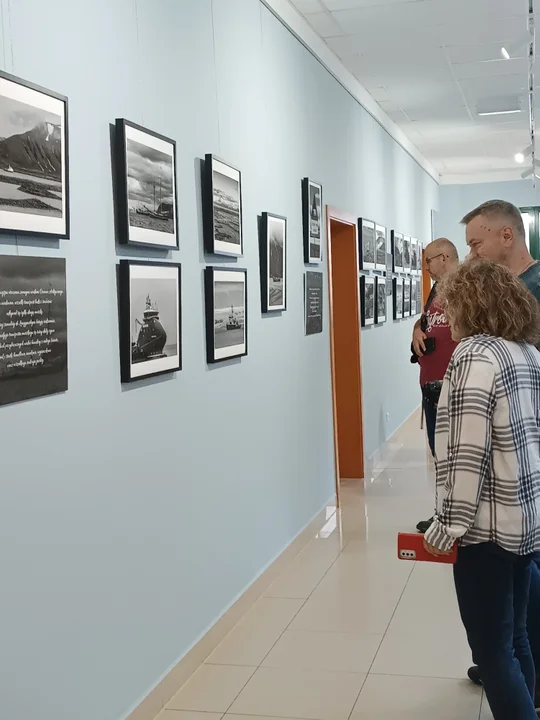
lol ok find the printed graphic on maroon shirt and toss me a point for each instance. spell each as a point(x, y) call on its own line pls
point(433, 366)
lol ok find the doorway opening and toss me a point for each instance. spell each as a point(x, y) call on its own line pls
point(344, 315)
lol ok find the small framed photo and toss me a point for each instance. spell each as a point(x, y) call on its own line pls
point(273, 261)
point(312, 221)
point(398, 298)
point(407, 254)
point(366, 241)
point(222, 208)
point(367, 300)
point(415, 267)
point(150, 319)
point(146, 187)
point(419, 303)
point(380, 300)
point(407, 284)
point(414, 297)
point(226, 313)
point(34, 159)
point(397, 251)
point(380, 247)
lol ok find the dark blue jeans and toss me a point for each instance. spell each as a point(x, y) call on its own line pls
point(430, 416)
point(492, 587)
point(533, 613)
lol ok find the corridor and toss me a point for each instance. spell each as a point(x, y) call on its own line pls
point(349, 632)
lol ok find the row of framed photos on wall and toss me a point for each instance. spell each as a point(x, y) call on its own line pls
point(406, 252)
point(34, 175)
point(406, 299)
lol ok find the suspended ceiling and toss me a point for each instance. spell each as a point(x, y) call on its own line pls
point(431, 65)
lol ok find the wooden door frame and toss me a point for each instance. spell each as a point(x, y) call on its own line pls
point(333, 213)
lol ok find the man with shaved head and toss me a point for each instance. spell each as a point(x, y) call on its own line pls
point(432, 340)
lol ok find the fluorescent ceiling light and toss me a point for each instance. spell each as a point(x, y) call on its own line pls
point(500, 112)
point(519, 158)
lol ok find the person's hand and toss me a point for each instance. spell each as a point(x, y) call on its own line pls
point(434, 551)
point(418, 338)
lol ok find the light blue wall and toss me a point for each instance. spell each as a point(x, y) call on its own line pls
point(130, 518)
point(457, 200)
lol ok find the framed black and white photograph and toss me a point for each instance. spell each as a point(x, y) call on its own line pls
point(380, 300)
point(226, 313)
point(414, 296)
point(312, 221)
point(367, 300)
point(34, 162)
point(419, 297)
point(366, 243)
point(313, 302)
point(273, 261)
point(398, 298)
point(33, 324)
point(380, 247)
point(407, 297)
point(407, 254)
point(222, 208)
point(414, 256)
point(146, 187)
point(150, 319)
point(397, 251)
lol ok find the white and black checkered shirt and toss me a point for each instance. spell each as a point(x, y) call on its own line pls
point(487, 446)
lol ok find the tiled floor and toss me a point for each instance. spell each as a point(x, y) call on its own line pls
point(349, 632)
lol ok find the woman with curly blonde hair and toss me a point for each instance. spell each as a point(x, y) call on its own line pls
point(487, 448)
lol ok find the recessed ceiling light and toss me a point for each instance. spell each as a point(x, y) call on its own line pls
point(505, 53)
point(519, 158)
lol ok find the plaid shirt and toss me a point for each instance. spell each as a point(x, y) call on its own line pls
point(488, 447)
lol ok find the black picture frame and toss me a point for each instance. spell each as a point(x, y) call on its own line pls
point(397, 250)
point(38, 162)
point(222, 208)
point(366, 244)
point(313, 302)
point(148, 215)
point(273, 261)
point(219, 321)
point(397, 298)
point(380, 301)
point(367, 300)
point(312, 217)
point(145, 287)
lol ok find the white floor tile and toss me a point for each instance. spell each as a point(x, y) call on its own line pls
point(385, 697)
point(305, 694)
point(211, 689)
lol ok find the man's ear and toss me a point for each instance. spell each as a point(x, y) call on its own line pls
point(507, 235)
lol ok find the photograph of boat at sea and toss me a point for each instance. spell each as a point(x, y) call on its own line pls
point(226, 208)
point(32, 163)
point(226, 331)
point(150, 188)
point(150, 318)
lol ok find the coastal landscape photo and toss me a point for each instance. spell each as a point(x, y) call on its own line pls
point(150, 185)
point(31, 167)
point(229, 314)
point(226, 203)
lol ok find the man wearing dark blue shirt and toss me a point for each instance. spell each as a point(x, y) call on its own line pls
point(495, 231)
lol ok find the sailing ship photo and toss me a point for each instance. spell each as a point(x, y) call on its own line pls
point(150, 319)
point(273, 244)
point(226, 321)
point(146, 186)
point(222, 208)
point(33, 159)
point(312, 216)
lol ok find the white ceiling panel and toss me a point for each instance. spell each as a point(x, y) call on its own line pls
point(431, 64)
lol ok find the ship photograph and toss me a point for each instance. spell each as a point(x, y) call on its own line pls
point(150, 185)
point(154, 320)
point(31, 168)
point(229, 314)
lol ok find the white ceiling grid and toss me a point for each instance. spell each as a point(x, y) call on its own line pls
point(431, 64)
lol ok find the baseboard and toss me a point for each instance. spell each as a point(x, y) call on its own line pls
point(178, 675)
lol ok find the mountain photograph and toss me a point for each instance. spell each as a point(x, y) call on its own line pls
point(30, 159)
